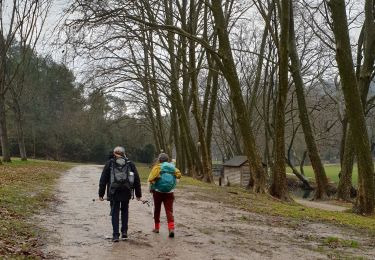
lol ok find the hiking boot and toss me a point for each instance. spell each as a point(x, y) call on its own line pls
point(124, 236)
point(115, 239)
point(155, 230)
point(171, 233)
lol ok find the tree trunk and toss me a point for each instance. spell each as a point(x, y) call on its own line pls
point(279, 186)
point(212, 106)
point(295, 69)
point(365, 201)
point(228, 68)
point(151, 114)
point(21, 140)
point(302, 178)
point(345, 182)
point(19, 128)
point(302, 164)
point(345, 125)
point(3, 131)
point(258, 72)
point(155, 100)
point(366, 43)
point(206, 161)
point(267, 99)
point(193, 161)
point(180, 156)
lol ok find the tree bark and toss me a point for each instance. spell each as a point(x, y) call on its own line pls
point(302, 163)
point(365, 201)
point(19, 127)
point(4, 131)
point(345, 182)
point(279, 186)
point(366, 44)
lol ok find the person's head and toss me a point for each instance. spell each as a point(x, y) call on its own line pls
point(163, 157)
point(119, 151)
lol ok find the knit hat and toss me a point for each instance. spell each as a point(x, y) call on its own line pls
point(163, 157)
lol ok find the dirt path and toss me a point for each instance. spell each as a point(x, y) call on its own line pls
point(320, 205)
point(204, 229)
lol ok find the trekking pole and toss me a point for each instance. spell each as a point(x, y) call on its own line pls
point(104, 199)
point(146, 202)
point(149, 204)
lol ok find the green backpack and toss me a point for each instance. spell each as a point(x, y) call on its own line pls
point(167, 180)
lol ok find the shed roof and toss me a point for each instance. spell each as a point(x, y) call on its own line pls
point(236, 161)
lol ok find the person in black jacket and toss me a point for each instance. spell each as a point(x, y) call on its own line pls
point(119, 196)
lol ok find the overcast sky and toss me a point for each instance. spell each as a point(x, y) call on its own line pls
point(46, 44)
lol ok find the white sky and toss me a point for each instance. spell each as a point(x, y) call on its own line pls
point(46, 44)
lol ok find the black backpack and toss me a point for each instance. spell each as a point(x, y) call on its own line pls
point(122, 176)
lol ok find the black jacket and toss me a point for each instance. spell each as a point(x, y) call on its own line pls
point(121, 194)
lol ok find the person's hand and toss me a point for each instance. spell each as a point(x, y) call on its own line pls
point(139, 199)
point(101, 198)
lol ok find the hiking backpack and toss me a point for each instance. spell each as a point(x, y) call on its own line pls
point(121, 175)
point(167, 180)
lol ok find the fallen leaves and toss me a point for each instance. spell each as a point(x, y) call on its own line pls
point(24, 189)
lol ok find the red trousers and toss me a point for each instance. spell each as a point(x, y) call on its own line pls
point(167, 199)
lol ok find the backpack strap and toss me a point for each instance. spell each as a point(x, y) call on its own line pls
point(112, 171)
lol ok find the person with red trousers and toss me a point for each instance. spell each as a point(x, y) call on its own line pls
point(162, 194)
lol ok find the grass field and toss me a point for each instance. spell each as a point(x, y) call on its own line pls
point(25, 189)
point(332, 171)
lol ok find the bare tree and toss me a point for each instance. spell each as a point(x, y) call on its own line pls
point(23, 25)
point(279, 186)
point(352, 96)
point(320, 175)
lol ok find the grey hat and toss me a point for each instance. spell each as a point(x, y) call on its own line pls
point(119, 150)
point(163, 157)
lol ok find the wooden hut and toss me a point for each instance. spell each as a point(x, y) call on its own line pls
point(237, 171)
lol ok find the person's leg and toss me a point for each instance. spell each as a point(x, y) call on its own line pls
point(124, 218)
point(168, 205)
point(115, 219)
point(157, 207)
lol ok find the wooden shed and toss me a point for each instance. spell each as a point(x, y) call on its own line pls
point(237, 171)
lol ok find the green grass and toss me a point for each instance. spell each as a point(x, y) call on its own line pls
point(143, 171)
point(25, 188)
point(265, 204)
point(334, 242)
point(332, 171)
